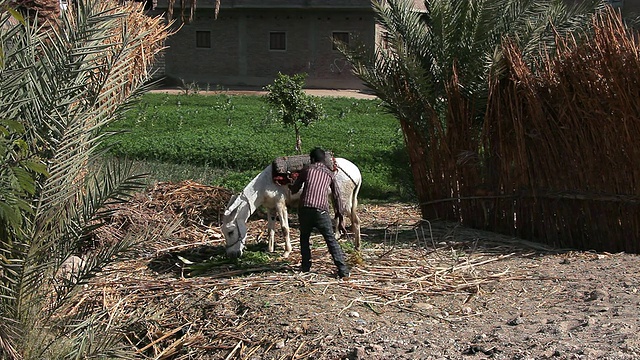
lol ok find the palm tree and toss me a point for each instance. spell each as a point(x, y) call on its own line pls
point(46, 12)
point(433, 68)
point(59, 87)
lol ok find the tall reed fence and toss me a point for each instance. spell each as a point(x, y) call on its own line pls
point(557, 157)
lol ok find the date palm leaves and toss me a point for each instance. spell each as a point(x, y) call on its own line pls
point(421, 51)
point(60, 85)
point(432, 68)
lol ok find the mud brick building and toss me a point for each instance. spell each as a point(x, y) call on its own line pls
point(252, 40)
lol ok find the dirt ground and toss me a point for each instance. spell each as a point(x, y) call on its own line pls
point(356, 94)
point(419, 291)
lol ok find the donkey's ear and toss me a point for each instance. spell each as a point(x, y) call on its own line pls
point(234, 202)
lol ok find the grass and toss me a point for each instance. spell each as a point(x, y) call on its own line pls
point(198, 263)
point(226, 140)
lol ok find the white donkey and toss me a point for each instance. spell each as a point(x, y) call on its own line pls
point(262, 190)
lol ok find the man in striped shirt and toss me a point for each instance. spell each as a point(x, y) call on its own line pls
point(314, 210)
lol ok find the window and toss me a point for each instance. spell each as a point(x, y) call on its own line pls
point(340, 37)
point(616, 3)
point(278, 40)
point(203, 39)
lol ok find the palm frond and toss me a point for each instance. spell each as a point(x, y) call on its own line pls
point(424, 50)
point(65, 85)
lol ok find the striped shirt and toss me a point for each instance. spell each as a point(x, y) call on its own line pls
point(317, 180)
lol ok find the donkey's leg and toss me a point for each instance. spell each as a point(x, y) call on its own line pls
point(355, 227)
point(271, 225)
point(284, 224)
point(355, 220)
point(340, 228)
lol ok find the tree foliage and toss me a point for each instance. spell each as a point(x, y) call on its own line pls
point(293, 105)
point(450, 52)
point(60, 85)
point(423, 51)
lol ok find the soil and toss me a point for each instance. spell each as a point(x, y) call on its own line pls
point(418, 290)
point(356, 94)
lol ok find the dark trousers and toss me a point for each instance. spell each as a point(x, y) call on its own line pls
point(314, 218)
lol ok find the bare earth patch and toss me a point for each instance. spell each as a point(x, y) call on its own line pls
point(356, 94)
point(420, 291)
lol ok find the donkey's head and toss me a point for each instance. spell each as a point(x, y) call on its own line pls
point(234, 226)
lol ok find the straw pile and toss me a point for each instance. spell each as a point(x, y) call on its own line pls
point(196, 203)
point(187, 213)
point(210, 316)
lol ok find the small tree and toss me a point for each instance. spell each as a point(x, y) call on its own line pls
point(295, 107)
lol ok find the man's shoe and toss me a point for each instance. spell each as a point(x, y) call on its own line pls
point(305, 269)
point(344, 276)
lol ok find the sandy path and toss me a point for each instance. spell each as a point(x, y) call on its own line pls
point(357, 94)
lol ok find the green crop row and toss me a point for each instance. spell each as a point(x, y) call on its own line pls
point(238, 136)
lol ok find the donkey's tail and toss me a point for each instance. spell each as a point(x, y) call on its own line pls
point(355, 220)
point(354, 194)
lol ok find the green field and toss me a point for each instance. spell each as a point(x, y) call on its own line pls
point(226, 140)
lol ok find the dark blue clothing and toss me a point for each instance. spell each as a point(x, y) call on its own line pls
point(309, 218)
point(318, 180)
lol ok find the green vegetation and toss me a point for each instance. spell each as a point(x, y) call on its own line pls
point(227, 140)
point(255, 258)
point(295, 108)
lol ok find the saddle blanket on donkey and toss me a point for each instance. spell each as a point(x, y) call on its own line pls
point(287, 168)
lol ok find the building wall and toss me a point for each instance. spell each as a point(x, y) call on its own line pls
point(240, 55)
point(629, 7)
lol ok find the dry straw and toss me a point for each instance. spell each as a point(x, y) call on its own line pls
point(407, 261)
point(555, 159)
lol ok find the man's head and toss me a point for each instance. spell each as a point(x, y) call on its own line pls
point(317, 155)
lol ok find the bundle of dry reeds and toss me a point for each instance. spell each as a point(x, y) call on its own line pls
point(563, 141)
point(445, 161)
point(554, 158)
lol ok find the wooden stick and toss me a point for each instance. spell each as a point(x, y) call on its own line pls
point(234, 350)
point(161, 338)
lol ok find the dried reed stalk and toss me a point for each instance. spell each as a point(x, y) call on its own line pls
point(554, 159)
point(562, 140)
point(206, 316)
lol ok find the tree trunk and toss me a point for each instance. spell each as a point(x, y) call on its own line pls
point(47, 12)
point(298, 140)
